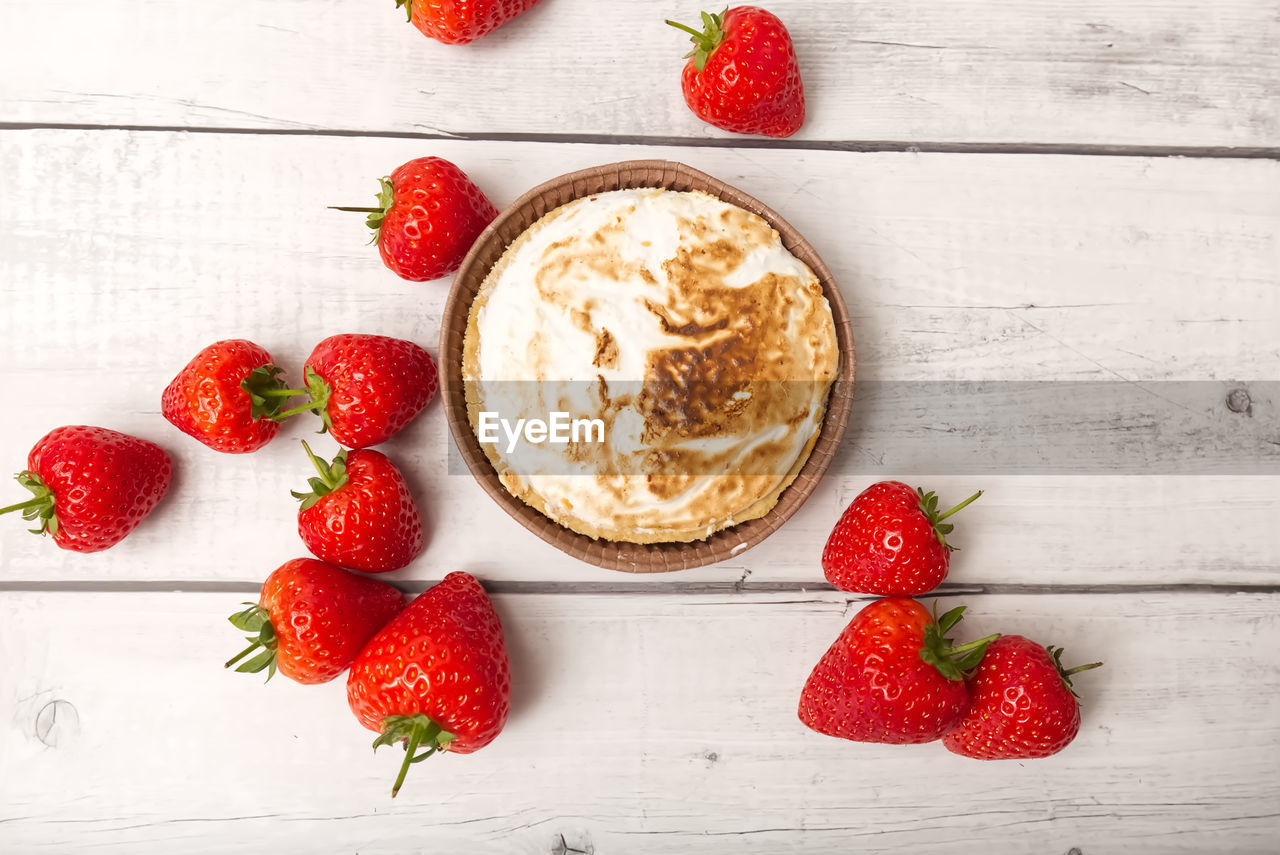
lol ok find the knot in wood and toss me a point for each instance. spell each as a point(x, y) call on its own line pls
point(1238, 401)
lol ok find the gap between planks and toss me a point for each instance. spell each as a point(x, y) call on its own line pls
point(858, 146)
point(660, 587)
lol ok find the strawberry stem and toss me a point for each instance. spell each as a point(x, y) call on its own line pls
point(697, 34)
point(929, 507)
point(332, 477)
point(410, 748)
point(967, 501)
point(293, 412)
point(242, 654)
point(974, 645)
point(41, 506)
point(952, 661)
point(29, 503)
point(386, 195)
point(1056, 654)
point(1079, 668)
point(318, 392)
point(415, 731)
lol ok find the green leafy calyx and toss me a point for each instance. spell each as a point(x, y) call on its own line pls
point(386, 195)
point(706, 41)
point(40, 507)
point(1056, 654)
point(952, 661)
point(330, 477)
point(256, 620)
point(929, 507)
point(267, 392)
point(408, 8)
point(416, 731)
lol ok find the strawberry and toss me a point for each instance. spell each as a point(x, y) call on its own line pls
point(1023, 703)
point(312, 619)
point(92, 485)
point(742, 75)
point(365, 388)
point(225, 397)
point(892, 676)
point(429, 213)
point(891, 541)
point(359, 513)
point(437, 676)
point(456, 22)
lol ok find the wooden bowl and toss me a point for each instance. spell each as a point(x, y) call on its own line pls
point(488, 248)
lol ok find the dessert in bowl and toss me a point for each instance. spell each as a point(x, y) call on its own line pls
point(692, 335)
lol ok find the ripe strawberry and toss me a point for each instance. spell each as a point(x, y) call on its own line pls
point(312, 619)
point(1023, 703)
point(456, 22)
point(437, 676)
point(359, 513)
point(225, 397)
point(429, 213)
point(742, 75)
point(92, 485)
point(892, 676)
point(365, 388)
point(891, 541)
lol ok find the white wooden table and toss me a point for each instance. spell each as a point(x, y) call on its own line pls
point(1045, 192)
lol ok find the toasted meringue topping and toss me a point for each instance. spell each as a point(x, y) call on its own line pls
point(679, 321)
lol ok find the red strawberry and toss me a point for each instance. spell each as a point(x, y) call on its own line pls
point(742, 75)
point(312, 619)
point(366, 388)
point(359, 513)
point(456, 22)
point(1023, 703)
point(92, 485)
point(892, 676)
point(429, 213)
point(437, 676)
point(225, 397)
point(890, 541)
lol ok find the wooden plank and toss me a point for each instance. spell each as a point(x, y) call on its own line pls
point(964, 268)
point(1143, 72)
point(956, 267)
point(126, 735)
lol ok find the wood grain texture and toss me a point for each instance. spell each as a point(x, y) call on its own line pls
point(1092, 340)
point(132, 250)
point(1144, 72)
point(130, 737)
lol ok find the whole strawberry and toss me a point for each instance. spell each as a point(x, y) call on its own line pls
point(891, 541)
point(1023, 704)
point(312, 619)
point(225, 397)
point(892, 676)
point(92, 485)
point(742, 75)
point(365, 388)
point(456, 22)
point(437, 676)
point(428, 215)
point(359, 513)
